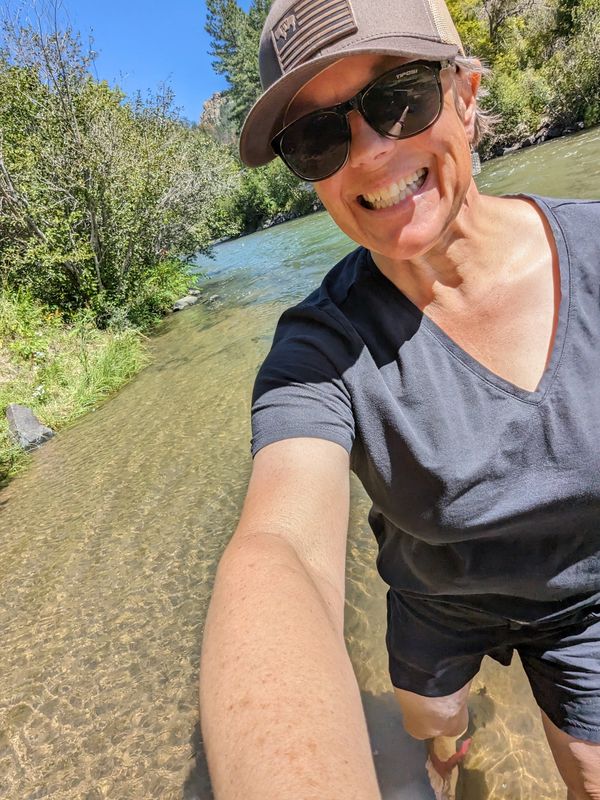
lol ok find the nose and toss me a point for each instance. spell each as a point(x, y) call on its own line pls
point(367, 148)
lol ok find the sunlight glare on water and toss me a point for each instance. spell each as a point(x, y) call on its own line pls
point(109, 545)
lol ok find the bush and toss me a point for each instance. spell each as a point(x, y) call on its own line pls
point(59, 369)
point(264, 192)
point(573, 72)
point(101, 192)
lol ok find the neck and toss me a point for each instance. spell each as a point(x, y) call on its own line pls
point(463, 262)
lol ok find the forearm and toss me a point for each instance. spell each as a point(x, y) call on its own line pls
point(281, 710)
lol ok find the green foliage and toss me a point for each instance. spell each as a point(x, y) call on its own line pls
point(99, 192)
point(471, 27)
point(519, 98)
point(58, 369)
point(565, 17)
point(265, 192)
point(235, 38)
point(545, 62)
point(574, 70)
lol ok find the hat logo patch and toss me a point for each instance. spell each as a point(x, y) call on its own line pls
point(311, 25)
point(282, 30)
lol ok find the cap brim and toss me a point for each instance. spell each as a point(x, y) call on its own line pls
point(266, 116)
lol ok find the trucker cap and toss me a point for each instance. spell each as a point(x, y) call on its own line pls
point(302, 37)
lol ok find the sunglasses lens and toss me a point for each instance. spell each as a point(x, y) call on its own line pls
point(315, 146)
point(403, 103)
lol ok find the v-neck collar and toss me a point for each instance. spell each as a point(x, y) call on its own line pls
point(484, 373)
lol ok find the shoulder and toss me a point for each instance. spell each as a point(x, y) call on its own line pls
point(580, 216)
point(301, 390)
point(324, 315)
point(576, 228)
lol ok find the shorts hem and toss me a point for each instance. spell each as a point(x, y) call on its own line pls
point(436, 690)
point(581, 732)
point(585, 733)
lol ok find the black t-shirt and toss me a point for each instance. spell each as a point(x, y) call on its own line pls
point(483, 493)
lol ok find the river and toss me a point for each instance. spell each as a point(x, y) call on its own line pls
point(109, 544)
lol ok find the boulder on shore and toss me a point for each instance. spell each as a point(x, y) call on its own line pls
point(185, 302)
point(26, 427)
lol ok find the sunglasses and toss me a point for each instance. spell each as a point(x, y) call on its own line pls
point(398, 104)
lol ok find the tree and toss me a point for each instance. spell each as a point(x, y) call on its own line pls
point(100, 193)
point(574, 70)
point(498, 12)
point(235, 38)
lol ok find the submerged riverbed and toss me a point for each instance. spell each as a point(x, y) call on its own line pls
point(109, 544)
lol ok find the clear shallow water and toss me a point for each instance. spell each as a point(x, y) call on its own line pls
point(109, 544)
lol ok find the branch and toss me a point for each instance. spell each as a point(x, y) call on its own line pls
point(16, 201)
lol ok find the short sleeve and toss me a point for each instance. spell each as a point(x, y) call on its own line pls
point(300, 389)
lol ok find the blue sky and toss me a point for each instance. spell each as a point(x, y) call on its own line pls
point(142, 44)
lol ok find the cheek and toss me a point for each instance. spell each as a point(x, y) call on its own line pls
point(452, 149)
point(450, 131)
point(329, 192)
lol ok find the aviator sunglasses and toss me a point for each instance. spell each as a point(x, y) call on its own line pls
point(398, 104)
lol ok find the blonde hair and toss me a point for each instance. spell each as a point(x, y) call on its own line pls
point(484, 120)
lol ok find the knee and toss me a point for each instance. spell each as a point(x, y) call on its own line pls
point(432, 725)
point(445, 718)
point(583, 781)
point(428, 717)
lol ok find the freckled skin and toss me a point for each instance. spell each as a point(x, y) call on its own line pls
point(420, 223)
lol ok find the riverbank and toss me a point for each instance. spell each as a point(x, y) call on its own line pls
point(544, 133)
point(58, 369)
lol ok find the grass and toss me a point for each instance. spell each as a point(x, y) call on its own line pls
point(60, 370)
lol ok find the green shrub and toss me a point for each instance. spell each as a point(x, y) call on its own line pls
point(264, 192)
point(103, 190)
point(573, 72)
point(57, 368)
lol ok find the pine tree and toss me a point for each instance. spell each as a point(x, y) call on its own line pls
point(235, 38)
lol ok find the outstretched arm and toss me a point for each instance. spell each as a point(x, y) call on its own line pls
point(281, 710)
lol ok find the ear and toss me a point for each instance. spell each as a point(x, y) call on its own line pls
point(467, 84)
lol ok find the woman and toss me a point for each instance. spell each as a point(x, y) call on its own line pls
point(452, 362)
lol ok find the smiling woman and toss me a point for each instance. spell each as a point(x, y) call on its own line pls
point(419, 93)
point(451, 362)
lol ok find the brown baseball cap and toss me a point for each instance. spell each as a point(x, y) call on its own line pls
point(302, 37)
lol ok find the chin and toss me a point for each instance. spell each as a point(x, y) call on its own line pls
point(410, 240)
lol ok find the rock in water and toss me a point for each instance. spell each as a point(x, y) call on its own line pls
point(26, 427)
point(188, 300)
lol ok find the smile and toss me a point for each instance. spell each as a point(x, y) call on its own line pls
point(395, 192)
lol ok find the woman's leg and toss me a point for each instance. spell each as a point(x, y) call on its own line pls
point(563, 666)
point(578, 762)
point(430, 717)
point(440, 720)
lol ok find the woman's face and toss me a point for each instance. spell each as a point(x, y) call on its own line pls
point(416, 224)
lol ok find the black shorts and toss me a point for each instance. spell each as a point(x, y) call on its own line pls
point(436, 647)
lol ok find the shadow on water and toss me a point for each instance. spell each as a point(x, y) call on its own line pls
point(197, 783)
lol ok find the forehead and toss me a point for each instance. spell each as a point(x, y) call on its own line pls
point(339, 81)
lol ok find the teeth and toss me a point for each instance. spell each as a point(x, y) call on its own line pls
point(396, 192)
